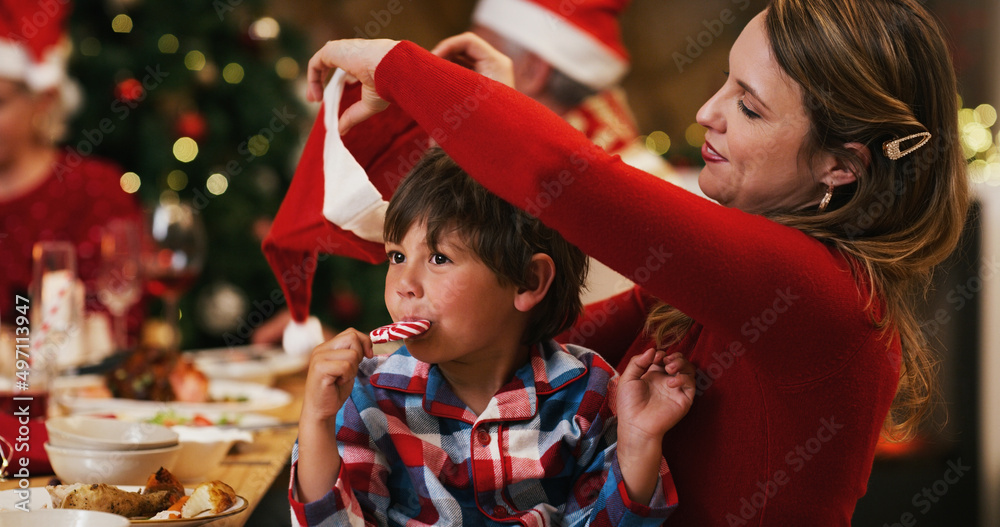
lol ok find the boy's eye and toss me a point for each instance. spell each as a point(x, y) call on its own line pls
point(396, 257)
point(439, 259)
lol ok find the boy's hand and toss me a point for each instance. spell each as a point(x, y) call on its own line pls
point(332, 369)
point(654, 393)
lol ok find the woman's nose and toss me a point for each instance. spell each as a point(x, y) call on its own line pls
point(710, 114)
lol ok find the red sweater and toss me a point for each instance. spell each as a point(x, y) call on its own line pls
point(794, 381)
point(72, 203)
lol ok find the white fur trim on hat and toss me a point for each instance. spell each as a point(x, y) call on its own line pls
point(15, 64)
point(301, 338)
point(568, 48)
point(350, 201)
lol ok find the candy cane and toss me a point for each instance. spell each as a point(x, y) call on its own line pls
point(399, 331)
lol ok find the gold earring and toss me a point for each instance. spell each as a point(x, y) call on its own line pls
point(826, 198)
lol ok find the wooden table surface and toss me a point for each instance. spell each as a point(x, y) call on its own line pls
point(250, 468)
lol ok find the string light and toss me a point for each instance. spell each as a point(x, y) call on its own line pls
point(177, 180)
point(185, 149)
point(217, 184)
point(266, 28)
point(122, 24)
point(168, 44)
point(695, 135)
point(658, 142)
point(232, 73)
point(130, 182)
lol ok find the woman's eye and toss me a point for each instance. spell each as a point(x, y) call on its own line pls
point(396, 257)
point(746, 111)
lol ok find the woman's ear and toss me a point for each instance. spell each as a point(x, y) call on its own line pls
point(542, 270)
point(837, 171)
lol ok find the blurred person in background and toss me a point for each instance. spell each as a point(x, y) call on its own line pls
point(48, 193)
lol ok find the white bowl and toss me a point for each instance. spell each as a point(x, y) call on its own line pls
point(202, 450)
point(62, 518)
point(115, 467)
point(97, 433)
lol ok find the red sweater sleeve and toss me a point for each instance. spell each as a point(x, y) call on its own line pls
point(740, 275)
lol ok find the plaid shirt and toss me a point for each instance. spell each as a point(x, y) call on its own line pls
point(542, 453)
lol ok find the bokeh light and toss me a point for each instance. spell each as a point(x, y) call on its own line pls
point(130, 182)
point(177, 180)
point(658, 142)
point(265, 29)
point(217, 184)
point(122, 24)
point(232, 73)
point(194, 60)
point(185, 149)
point(258, 145)
point(695, 135)
point(287, 68)
point(168, 44)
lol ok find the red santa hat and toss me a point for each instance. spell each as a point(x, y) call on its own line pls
point(581, 38)
point(33, 44)
point(337, 199)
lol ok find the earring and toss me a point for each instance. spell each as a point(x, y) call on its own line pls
point(825, 202)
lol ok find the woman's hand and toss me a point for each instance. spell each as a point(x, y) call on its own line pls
point(332, 369)
point(359, 58)
point(469, 49)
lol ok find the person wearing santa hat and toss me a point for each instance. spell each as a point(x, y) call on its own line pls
point(570, 57)
point(48, 192)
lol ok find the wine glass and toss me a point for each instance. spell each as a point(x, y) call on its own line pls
point(119, 280)
point(174, 253)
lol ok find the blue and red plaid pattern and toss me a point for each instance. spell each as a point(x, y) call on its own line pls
point(542, 453)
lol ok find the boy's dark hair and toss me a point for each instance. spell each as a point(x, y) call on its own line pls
point(437, 191)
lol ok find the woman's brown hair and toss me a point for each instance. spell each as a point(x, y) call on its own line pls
point(872, 71)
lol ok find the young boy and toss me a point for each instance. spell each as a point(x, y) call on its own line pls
point(483, 419)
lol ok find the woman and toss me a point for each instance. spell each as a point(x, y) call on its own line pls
point(791, 295)
point(47, 193)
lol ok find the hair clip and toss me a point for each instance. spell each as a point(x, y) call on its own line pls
point(891, 148)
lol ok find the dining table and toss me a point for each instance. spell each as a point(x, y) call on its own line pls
point(250, 468)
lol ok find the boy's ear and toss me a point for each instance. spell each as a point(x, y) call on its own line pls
point(531, 73)
point(542, 270)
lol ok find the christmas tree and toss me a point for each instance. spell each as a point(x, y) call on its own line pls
point(201, 102)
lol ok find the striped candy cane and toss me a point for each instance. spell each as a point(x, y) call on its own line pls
point(399, 331)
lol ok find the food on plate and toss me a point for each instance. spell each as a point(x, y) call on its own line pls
point(170, 417)
point(165, 481)
point(213, 496)
point(163, 497)
point(153, 374)
point(108, 498)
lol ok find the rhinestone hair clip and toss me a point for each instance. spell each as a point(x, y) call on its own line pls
point(891, 148)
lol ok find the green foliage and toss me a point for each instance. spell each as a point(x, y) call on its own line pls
point(137, 129)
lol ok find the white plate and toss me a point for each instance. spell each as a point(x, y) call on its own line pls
point(247, 420)
point(40, 499)
point(247, 363)
point(245, 397)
